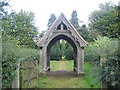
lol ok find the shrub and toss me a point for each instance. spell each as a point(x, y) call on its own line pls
point(100, 48)
point(11, 53)
point(8, 62)
point(104, 52)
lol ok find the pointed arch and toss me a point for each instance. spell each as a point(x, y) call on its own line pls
point(68, 33)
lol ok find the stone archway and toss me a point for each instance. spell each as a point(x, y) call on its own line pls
point(62, 29)
point(55, 39)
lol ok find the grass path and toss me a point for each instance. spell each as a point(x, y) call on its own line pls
point(64, 82)
point(61, 65)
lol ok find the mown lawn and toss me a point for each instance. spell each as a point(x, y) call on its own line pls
point(75, 82)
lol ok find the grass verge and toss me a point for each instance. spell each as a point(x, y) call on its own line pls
point(76, 82)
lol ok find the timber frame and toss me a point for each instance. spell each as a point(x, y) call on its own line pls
point(62, 29)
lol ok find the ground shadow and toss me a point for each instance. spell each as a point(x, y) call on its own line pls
point(62, 74)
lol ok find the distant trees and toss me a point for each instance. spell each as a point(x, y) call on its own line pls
point(104, 21)
point(82, 30)
point(51, 20)
point(61, 50)
point(74, 20)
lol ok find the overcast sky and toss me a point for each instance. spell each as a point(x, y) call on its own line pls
point(43, 9)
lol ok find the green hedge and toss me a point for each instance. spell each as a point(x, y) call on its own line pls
point(11, 53)
point(103, 53)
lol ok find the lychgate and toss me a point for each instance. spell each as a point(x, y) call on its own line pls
point(62, 29)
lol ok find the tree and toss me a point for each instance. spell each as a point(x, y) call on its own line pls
point(105, 20)
point(74, 20)
point(82, 30)
point(55, 51)
point(21, 27)
point(51, 20)
point(16, 27)
point(8, 57)
point(61, 50)
point(68, 51)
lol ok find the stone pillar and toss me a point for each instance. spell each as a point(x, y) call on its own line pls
point(48, 60)
point(45, 60)
point(41, 60)
point(80, 62)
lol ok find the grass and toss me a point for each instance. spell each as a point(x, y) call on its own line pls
point(53, 65)
point(69, 65)
point(75, 82)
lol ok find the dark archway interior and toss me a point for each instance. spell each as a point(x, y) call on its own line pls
point(55, 40)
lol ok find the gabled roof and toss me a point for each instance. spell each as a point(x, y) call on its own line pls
point(72, 29)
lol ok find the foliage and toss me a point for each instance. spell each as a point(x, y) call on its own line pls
point(11, 53)
point(4, 5)
point(102, 46)
point(17, 30)
point(8, 63)
point(105, 21)
point(74, 20)
point(61, 49)
point(51, 20)
point(103, 53)
point(42, 34)
point(111, 68)
point(20, 26)
point(55, 51)
point(83, 30)
point(68, 51)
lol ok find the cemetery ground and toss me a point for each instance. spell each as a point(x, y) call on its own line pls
point(60, 76)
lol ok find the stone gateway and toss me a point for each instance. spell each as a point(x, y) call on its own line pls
point(62, 29)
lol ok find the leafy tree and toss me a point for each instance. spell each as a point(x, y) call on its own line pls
point(55, 51)
point(20, 26)
point(105, 20)
point(12, 26)
point(12, 53)
point(84, 32)
point(4, 5)
point(68, 51)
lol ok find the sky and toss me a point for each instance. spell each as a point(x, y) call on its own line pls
point(44, 8)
